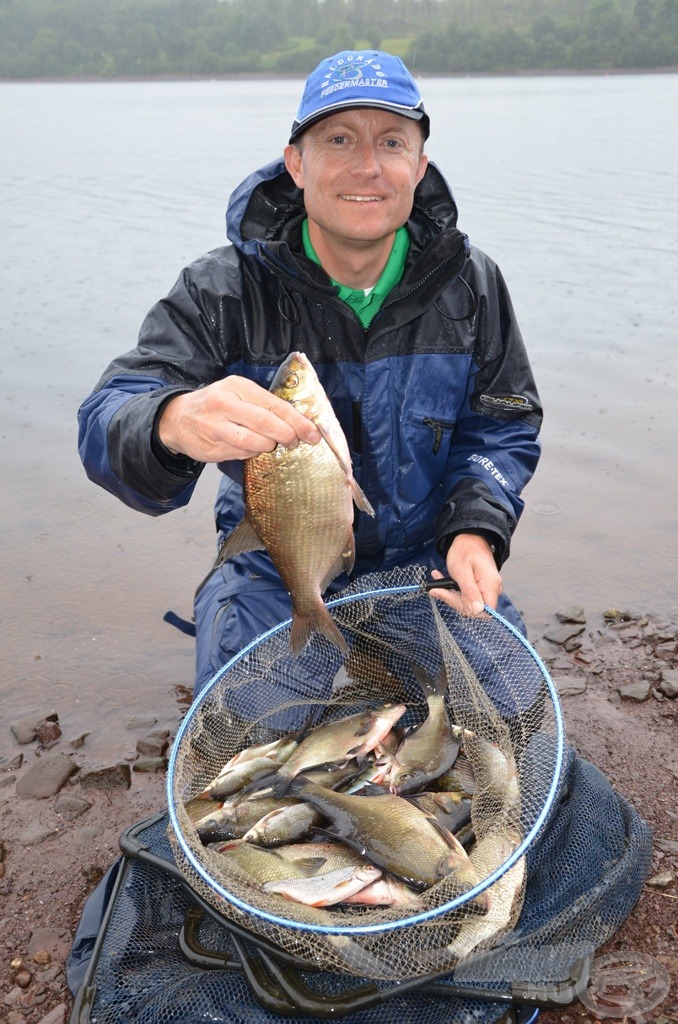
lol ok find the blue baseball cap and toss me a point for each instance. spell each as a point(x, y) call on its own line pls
point(359, 78)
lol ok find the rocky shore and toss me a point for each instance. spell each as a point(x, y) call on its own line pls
point(61, 816)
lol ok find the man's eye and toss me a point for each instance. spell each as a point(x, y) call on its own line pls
point(337, 140)
point(393, 143)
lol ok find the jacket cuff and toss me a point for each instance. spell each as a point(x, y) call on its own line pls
point(135, 458)
point(173, 462)
point(498, 546)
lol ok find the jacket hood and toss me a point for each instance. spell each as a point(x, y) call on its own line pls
point(268, 207)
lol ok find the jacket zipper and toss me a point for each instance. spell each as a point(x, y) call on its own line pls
point(438, 427)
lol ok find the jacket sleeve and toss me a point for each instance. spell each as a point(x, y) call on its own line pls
point(178, 350)
point(495, 446)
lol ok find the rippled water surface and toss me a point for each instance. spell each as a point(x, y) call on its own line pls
point(108, 189)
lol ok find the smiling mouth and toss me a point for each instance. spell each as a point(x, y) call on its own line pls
point(361, 199)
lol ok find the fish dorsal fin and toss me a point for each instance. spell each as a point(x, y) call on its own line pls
point(359, 497)
point(309, 866)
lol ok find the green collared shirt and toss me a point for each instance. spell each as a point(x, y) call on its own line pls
point(366, 304)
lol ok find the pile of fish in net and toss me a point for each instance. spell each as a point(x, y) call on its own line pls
point(368, 812)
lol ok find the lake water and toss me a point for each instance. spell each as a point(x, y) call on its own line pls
point(108, 189)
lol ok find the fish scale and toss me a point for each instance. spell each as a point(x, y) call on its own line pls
point(307, 485)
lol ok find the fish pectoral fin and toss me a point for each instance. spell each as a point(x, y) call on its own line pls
point(360, 498)
point(241, 539)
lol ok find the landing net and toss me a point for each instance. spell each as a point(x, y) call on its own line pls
point(497, 690)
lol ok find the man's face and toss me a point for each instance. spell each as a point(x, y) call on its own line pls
point(358, 170)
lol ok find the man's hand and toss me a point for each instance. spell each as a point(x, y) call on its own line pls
point(471, 563)
point(233, 418)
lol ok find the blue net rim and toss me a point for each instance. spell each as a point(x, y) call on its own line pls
point(428, 915)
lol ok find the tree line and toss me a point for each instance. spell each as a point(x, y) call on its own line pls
point(113, 38)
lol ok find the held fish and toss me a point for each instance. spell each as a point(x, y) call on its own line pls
point(299, 506)
point(231, 780)
point(295, 860)
point(450, 810)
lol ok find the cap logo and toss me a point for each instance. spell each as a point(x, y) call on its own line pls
point(349, 73)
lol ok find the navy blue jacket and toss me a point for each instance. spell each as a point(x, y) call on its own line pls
point(436, 397)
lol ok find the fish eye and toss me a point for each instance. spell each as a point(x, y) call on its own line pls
point(292, 380)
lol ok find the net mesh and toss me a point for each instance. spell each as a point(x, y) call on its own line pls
point(497, 690)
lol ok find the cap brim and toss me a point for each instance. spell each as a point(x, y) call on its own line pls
point(414, 114)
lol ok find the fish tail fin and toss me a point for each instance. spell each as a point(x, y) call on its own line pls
point(275, 785)
point(318, 620)
point(431, 685)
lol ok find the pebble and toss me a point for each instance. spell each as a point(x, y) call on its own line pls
point(617, 615)
point(661, 880)
point(152, 746)
point(116, 776)
point(25, 729)
point(141, 722)
point(55, 1016)
point(47, 732)
point(667, 845)
point(669, 683)
point(35, 834)
point(46, 777)
point(570, 686)
point(573, 613)
point(562, 634)
point(71, 805)
point(149, 764)
point(638, 692)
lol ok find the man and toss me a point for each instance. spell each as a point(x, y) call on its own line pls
point(347, 250)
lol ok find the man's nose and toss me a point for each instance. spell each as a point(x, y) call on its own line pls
point(367, 160)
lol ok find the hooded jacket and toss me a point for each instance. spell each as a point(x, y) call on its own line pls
point(436, 396)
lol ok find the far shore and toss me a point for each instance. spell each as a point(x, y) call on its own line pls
point(266, 75)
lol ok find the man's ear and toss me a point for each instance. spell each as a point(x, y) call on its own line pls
point(292, 155)
point(423, 164)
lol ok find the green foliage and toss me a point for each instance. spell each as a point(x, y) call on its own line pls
point(108, 38)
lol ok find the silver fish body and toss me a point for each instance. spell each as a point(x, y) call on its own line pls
point(283, 825)
point(326, 888)
point(431, 748)
point(393, 834)
point(344, 739)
